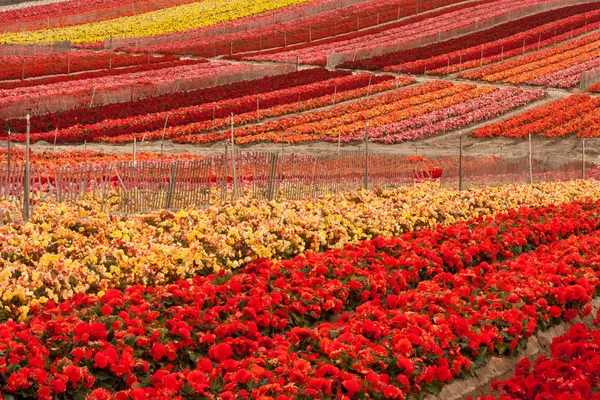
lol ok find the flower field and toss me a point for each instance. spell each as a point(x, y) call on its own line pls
point(165, 20)
point(356, 320)
point(253, 274)
point(397, 33)
point(150, 77)
point(429, 109)
point(41, 65)
point(559, 66)
point(484, 47)
point(573, 115)
point(347, 21)
point(71, 12)
point(206, 109)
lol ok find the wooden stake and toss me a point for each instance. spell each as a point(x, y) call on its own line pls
point(583, 159)
point(233, 171)
point(26, 189)
point(367, 156)
point(530, 161)
point(460, 164)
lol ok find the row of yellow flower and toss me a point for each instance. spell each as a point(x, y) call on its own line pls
point(174, 19)
point(68, 249)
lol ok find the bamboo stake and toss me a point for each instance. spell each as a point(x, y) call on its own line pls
point(233, 169)
point(26, 193)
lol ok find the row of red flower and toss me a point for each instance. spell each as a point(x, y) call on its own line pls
point(173, 101)
point(569, 372)
point(127, 86)
point(38, 65)
point(573, 115)
point(315, 27)
point(47, 80)
point(249, 334)
point(501, 38)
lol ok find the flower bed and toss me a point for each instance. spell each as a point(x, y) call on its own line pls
point(196, 132)
point(73, 78)
point(570, 370)
point(315, 27)
point(100, 252)
point(268, 331)
point(173, 19)
point(505, 40)
point(246, 109)
point(170, 101)
point(559, 66)
point(397, 34)
point(73, 12)
point(53, 159)
point(140, 79)
point(39, 65)
point(455, 117)
point(573, 115)
point(387, 113)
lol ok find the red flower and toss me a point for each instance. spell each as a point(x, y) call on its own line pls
point(78, 354)
point(406, 365)
point(100, 361)
point(58, 386)
point(44, 393)
point(555, 311)
point(351, 385)
point(570, 314)
point(158, 351)
point(220, 352)
point(100, 394)
point(98, 330)
point(198, 381)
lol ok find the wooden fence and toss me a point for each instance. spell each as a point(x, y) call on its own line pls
point(153, 185)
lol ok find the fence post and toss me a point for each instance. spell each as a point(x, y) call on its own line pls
point(55, 136)
point(460, 163)
point(94, 93)
point(27, 170)
point(583, 159)
point(162, 139)
point(233, 172)
point(367, 157)
point(8, 171)
point(272, 174)
point(530, 161)
point(169, 199)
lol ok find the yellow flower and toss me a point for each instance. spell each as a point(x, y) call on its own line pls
point(174, 19)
